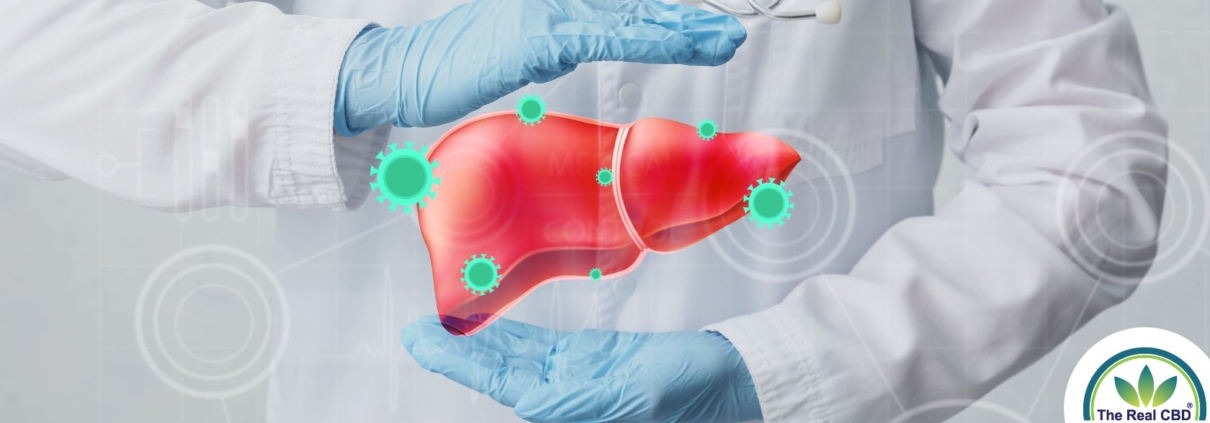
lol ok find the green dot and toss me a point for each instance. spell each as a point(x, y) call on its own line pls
point(708, 129)
point(605, 177)
point(405, 177)
point(531, 110)
point(769, 203)
point(481, 274)
point(595, 274)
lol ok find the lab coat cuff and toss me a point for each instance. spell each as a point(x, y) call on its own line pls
point(303, 170)
point(786, 376)
point(354, 156)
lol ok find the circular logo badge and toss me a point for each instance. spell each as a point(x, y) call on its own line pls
point(1140, 374)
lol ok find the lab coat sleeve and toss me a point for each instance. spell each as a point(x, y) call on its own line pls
point(1050, 108)
point(177, 106)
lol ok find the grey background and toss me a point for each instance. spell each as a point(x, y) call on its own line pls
point(73, 262)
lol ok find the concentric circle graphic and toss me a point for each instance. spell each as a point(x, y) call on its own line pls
point(811, 239)
point(1102, 233)
point(214, 273)
point(488, 221)
point(247, 308)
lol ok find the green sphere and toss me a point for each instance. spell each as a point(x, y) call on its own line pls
point(707, 130)
point(604, 177)
point(531, 110)
point(769, 203)
point(406, 177)
point(480, 274)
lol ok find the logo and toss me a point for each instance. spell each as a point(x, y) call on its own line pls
point(1140, 374)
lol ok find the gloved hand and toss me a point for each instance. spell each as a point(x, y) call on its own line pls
point(445, 68)
point(593, 375)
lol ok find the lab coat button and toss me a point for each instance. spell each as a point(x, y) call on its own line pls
point(630, 94)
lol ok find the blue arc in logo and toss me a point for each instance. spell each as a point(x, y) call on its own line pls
point(1197, 384)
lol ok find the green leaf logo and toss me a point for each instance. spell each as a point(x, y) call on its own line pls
point(1126, 391)
point(1164, 392)
point(1147, 395)
point(1146, 386)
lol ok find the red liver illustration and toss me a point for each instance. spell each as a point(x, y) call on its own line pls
point(522, 205)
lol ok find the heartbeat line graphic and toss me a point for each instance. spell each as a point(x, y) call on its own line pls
point(389, 347)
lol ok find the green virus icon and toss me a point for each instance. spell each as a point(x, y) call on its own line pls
point(707, 130)
point(405, 178)
point(595, 274)
point(768, 203)
point(481, 275)
point(531, 110)
point(604, 177)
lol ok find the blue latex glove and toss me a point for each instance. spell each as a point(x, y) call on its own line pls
point(445, 68)
point(593, 375)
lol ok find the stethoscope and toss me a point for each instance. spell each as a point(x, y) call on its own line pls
point(827, 12)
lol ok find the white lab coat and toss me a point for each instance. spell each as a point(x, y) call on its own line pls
point(866, 305)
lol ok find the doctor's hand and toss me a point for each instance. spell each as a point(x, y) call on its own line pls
point(593, 375)
point(442, 69)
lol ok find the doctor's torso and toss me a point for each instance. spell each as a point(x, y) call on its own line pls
point(848, 97)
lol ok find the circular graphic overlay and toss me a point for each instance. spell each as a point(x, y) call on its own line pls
point(1104, 236)
point(804, 240)
point(1139, 374)
point(211, 321)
